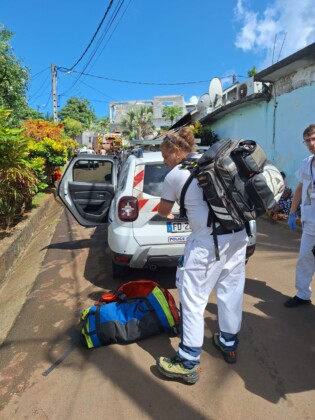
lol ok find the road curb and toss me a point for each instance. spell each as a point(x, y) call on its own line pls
point(13, 247)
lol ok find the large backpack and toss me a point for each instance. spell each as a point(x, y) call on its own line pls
point(238, 182)
point(136, 310)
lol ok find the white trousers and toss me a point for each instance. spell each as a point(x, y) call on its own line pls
point(201, 273)
point(305, 267)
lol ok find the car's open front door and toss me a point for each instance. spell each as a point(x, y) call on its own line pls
point(87, 188)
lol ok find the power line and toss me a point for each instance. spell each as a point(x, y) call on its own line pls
point(40, 72)
point(105, 31)
point(48, 99)
point(39, 91)
point(96, 90)
point(90, 100)
point(64, 69)
point(96, 32)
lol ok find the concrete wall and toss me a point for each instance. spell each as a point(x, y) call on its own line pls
point(277, 125)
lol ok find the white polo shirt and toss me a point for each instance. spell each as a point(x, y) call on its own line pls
point(304, 175)
point(196, 208)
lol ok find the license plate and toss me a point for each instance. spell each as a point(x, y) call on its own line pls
point(177, 239)
point(178, 227)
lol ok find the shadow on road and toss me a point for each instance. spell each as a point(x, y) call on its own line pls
point(276, 355)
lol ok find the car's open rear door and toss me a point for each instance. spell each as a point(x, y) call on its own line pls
point(87, 188)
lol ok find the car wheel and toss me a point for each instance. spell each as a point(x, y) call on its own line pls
point(119, 270)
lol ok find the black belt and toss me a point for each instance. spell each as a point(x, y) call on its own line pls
point(222, 231)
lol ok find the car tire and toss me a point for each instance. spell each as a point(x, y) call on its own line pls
point(120, 270)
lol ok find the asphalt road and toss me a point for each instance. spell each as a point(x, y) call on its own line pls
point(45, 374)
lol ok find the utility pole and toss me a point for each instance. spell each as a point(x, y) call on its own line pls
point(54, 91)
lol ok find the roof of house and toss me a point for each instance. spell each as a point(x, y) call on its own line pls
point(288, 65)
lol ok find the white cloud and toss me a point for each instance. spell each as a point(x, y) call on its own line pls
point(284, 27)
point(193, 100)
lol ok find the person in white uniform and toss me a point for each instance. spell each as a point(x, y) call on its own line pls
point(199, 272)
point(305, 194)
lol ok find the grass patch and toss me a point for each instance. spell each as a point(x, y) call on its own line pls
point(38, 199)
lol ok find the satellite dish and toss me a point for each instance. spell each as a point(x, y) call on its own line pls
point(203, 103)
point(215, 92)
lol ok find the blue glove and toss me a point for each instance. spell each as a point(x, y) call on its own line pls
point(291, 221)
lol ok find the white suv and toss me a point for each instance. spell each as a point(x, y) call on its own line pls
point(137, 236)
point(96, 192)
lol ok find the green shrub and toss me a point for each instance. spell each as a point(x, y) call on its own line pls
point(18, 185)
point(55, 153)
point(38, 165)
point(17, 179)
point(205, 133)
point(71, 145)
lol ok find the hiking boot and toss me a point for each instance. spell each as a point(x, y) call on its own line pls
point(296, 301)
point(229, 356)
point(174, 369)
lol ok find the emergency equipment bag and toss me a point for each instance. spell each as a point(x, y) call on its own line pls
point(136, 310)
point(238, 182)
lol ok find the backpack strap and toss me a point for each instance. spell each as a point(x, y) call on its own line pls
point(211, 222)
point(182, 210)
point(215, 240)
point(211, 216)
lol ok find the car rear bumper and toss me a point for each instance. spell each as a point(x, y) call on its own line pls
point(151, 257)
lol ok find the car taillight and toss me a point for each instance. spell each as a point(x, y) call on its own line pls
point(128, 209)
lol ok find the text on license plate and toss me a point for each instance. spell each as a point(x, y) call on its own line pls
point(174, 227)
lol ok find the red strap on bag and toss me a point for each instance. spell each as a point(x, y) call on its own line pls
point(139, 288)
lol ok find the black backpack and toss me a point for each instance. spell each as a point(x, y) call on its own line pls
point(239, 184)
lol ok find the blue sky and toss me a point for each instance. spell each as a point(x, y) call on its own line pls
point(159, 46)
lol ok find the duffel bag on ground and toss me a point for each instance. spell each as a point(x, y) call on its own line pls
point(138, 309)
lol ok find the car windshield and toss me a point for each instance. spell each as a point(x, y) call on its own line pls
point(154, 175)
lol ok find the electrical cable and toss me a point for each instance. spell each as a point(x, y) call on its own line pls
point(96, 32)
point(63, 69)
point(112, 19)
point(43, 86)
point(46, 103)
point(96, 90)
point(42, 71)
point(90, 100)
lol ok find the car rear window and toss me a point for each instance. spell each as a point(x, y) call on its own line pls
point(154, 175)
point(93, 171)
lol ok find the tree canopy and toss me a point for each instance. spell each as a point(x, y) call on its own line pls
point(252, 71)
point(79, 109)
point(138, 122)
point(73, 128)
point(14, 79)
point(102, 124)
point(172, 113)
point(39, 129)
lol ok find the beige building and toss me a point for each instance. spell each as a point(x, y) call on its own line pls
point(117, 110)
